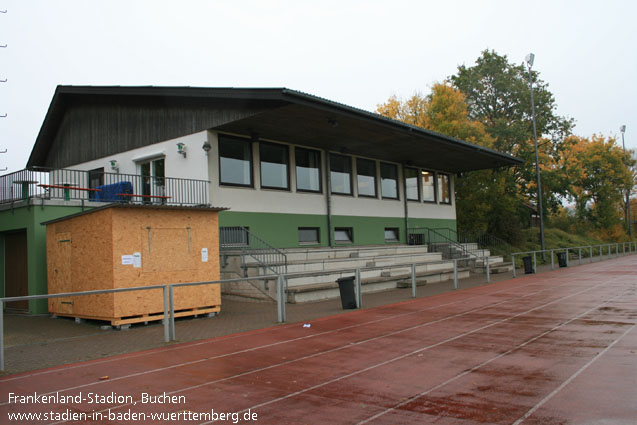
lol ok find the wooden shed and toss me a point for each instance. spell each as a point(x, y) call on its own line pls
point(122, 246)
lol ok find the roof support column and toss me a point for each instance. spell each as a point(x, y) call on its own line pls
point(406, 206)
point(328, 198)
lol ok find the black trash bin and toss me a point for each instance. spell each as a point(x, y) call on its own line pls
point(561, 259)
point(528, 264)
point(348, 294)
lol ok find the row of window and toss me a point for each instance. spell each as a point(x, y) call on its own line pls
point(237, 236)
point(235, 168)
point(310, 235)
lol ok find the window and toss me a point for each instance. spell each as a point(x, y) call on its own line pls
point(341, 174)
point(366, 177)
point(275, 161)
point(235, 161)
point(444, 184)
point(428, 179)
point(308, 170)
point(391, 234)
point(234, 236)
point(411, 184)
point(308, 235)
point(343, 234)
point(388, 180)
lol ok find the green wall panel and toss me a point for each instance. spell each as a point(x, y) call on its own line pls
point(31, 218)
point(281, 230)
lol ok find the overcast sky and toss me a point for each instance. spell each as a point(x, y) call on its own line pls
point(355, 52)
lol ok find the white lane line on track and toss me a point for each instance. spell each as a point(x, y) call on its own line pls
point(571, 378)
point(260, 347)
point(335, 349)
point(486, 362)
point(395, 358)
point(226, 338)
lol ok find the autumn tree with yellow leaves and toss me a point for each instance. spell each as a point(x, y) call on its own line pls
point(489, 104)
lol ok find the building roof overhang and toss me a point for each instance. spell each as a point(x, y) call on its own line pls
point(291, 116)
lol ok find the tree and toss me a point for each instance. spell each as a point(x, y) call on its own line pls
point(480, 201)
point(498, 96)
point(599, 174)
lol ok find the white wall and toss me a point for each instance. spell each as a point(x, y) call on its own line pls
point(193, 166)
point(197, 165)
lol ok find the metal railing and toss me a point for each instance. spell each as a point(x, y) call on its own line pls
point(495, 245)
point(441, 240)
point(578, 252)
point(237, 238)
point(168, 317)
point(66, 185)
point(604, 251)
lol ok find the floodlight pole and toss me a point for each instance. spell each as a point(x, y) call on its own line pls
point(629, 220)
point(529, 63)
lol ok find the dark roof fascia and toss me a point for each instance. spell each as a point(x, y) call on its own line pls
point(280, 94)
point(310, 100)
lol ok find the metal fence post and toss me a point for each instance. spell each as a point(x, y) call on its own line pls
point(488, 271)
point(513, 262)
point(535, 262)
point(413, 281)
point(166, 325)
point(590, 257)
point(172, 312)
point(280, 299)
point(455, 273)
point(609, 251)
point(616, 250)
point(2, 336)
point(566, 257)
point(580, 255)
point(359, 290)
point(552, 261)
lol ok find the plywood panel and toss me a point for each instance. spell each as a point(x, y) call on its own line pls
point(60, 274)
point(172, 257)
point(172, 254)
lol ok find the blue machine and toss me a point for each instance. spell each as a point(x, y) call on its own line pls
point(108, 192)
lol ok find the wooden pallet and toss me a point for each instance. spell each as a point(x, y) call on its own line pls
point(151, 317)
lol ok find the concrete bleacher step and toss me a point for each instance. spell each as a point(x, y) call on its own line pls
point(350, 263)
point(500, 267)
point(329, 290)
point(313, 254)
point(424, 278)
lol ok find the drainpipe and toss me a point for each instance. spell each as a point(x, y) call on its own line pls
point(328, 198)
point(406, 206)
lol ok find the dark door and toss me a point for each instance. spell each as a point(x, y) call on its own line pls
point(16, 274)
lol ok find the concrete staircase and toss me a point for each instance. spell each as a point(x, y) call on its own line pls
point(312, 272)
point(478, 255)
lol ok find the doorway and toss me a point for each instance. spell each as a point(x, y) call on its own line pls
point(153, 180)
point(16, 270)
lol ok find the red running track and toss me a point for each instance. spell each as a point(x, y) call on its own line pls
point(553, 348)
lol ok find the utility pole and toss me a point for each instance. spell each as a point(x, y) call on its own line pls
point(529, 62)
point(629, 217)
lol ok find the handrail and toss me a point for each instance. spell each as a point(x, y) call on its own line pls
point(434, 236)
point(240, 238)
point(168, 295)
point(632, 247)
point(90, 186)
